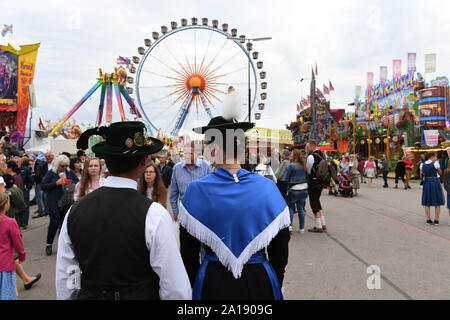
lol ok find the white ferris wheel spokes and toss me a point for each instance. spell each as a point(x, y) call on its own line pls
point(183, 76)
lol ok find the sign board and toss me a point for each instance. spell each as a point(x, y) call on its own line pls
point(431, 137)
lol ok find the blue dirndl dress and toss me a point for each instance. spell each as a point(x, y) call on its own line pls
point(432, 195)
point(8, 285)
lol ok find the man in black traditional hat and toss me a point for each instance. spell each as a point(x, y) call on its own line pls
point(121, 242)
point(237, 215)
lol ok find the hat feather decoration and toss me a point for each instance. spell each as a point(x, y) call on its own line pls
point(83, 140)
point(230, 108)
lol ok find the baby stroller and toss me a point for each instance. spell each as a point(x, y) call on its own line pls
point(345, 185)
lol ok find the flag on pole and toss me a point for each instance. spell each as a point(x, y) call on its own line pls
point(122, 60)
point(319, 94)
point(298, 108)
point(7, 29)
point(325, 90)
point(396, 68)
point(331, 86)
point(411, 62)
point(383, 74)
point(357, 92)
point(369, 79)
point(430, 63)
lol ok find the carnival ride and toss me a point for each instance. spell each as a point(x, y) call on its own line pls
point(107, 82)
point(193, 65)
point(70, 129)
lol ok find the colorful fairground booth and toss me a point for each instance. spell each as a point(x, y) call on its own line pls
point(333, 129)
point(16, 79)
point(267, 140)
point(402, 116)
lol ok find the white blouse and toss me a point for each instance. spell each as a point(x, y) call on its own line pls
point(149, 193)
point(101, 182)
point(436, 164)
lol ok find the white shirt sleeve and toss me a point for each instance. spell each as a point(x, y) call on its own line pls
point(437, 165)
point(67, 268)
point(272, 174)
point(420, 167)
point(309, 163)
point(165, 257)
point(77, 192)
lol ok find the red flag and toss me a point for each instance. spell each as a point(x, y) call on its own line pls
point(319, 93)
point(308, 98)
point(301, 105)
point(331, 86)
point(369, 79)
point(316, 69)
point(325, 90)
point(298, 108)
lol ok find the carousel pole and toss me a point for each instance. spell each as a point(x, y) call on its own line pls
point(354, 132)
point(109, 102)
point(387, 134)
point(368, 140)
point(102, 103)
point(77, 106)
point(130, 101)
point(119, 100)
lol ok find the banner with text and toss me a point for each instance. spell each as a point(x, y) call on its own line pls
point(396, 68)
point(430, 63)
point(431, 137)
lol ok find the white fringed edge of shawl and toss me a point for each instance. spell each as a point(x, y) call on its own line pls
point(226, 257)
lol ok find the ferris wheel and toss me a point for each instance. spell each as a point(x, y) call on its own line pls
point(183, 74)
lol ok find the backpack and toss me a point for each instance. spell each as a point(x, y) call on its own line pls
point(67, 197)
point(323, 170)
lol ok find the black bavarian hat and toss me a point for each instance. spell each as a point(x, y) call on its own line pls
point(122, 139)
point(220, 123)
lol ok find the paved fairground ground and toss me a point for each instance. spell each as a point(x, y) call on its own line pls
point(377, 246)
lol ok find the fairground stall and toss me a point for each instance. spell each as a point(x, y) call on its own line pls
point(16, 87)
point(404, 115)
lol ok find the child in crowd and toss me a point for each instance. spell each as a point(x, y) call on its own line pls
point(10, 240)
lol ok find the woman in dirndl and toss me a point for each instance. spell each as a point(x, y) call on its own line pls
point(370, 169)
point(432, 195)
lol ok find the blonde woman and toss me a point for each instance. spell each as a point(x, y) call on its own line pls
point(91, 178)
point(52, 184)
point(354, 173)
point(370, 169)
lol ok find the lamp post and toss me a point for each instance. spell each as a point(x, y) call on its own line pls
point(242, 39)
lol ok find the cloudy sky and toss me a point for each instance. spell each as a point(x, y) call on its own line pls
point(346, 39)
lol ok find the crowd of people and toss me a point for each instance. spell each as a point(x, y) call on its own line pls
point(199, 193)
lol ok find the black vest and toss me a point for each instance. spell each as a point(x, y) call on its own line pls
point(312, 177)
point(107, 231)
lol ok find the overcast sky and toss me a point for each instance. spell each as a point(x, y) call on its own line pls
point(346, 39)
